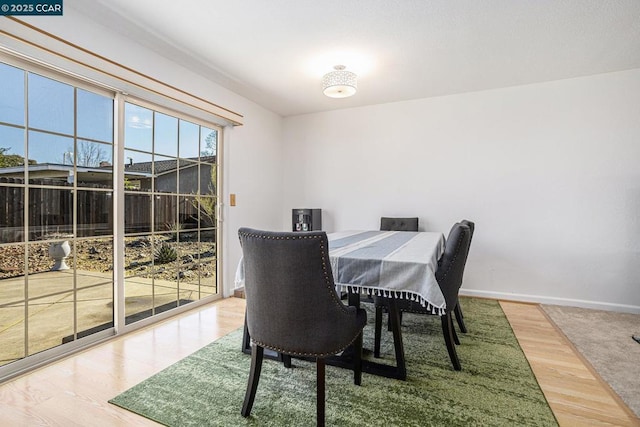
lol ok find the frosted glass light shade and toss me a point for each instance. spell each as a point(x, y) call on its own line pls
point(339, 83)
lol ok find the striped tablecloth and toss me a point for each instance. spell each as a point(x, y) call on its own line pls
point(401, 264)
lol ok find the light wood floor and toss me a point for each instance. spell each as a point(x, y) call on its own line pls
point(575, 392)
point(74, 391)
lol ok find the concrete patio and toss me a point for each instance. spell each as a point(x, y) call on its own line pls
point(51, 305)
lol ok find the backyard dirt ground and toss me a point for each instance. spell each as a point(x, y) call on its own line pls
point(97, 255)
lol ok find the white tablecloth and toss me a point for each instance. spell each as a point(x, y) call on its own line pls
point(401, 264)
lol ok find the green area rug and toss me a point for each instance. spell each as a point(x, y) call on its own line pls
point(495, 387)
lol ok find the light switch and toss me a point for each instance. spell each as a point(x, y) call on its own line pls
point(232, 199)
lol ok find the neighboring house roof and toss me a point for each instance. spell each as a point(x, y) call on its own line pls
point(61, 171)
point(39, 167)
point(144, 168)
point(164, 166)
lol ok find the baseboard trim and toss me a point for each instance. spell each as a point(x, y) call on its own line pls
point(551, 300)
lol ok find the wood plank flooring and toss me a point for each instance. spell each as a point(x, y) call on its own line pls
point(74, 391)
point(575, 392)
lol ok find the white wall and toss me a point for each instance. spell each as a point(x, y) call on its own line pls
point(549, 172)
point(252, 152)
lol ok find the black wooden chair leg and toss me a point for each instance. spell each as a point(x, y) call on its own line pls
point(357, 360)
point(320, 367)
point(246, 340)
point(378, 332)
point(447, 326)
point(257, 354)
point(460, 318)
point(456, 340)
point(286, 359)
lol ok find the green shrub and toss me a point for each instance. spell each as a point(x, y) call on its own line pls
point(164, 253)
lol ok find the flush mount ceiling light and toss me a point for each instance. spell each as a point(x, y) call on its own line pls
point(339, 83)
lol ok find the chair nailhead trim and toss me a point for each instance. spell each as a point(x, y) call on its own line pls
point(262, 236)
point(299, 353)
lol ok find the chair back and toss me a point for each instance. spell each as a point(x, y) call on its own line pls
point(398, 224)
point(451, 264)
point(292, 304)
point(471, 225)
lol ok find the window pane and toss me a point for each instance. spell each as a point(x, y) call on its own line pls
point(12, 304)
point(95, 258)
point(165, 135)
point(165, 213)
point(50, 306)
point(94, 307)
point(208, 179)
point(138, 127)
point(138, 298)
point(188, 212)
point(208, 259)
point(137, 213)
point(188, 252)
point(52, 158)
point(94, 212)
point(93, 154)
point(165, 256)
point(165, 174)
point(207, 207)
point(188, 176)
point(189, 284)
point(95, 116)
point(137, 171)
point(12, 99)
point(11, 152)
point(189, 137)
point(207, 246)
point(208, 283)
point(208, 143)
point(50, 213)
point(12, 270)
point(11, 214)
point(165, 289)
point(138, 256)
point(50, 105)
point(100, 175)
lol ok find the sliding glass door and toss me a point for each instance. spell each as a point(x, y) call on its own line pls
point(56, 212)
point(58, 195)
point(170, 175)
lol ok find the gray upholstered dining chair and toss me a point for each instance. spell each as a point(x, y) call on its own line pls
point(393, 224)
point(458, 310)
point(449, 276)
point(398, 224)
point(292, 305)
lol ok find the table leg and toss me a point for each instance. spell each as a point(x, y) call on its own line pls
point(371, 367)
point(354, 299)
point(394, 316)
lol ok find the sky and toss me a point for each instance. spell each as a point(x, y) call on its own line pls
point(51, 110)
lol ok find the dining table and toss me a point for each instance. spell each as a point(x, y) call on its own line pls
point(391, 264)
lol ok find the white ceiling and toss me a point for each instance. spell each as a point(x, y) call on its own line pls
point(275, 52)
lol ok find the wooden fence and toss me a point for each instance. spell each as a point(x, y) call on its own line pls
point(51, 211)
